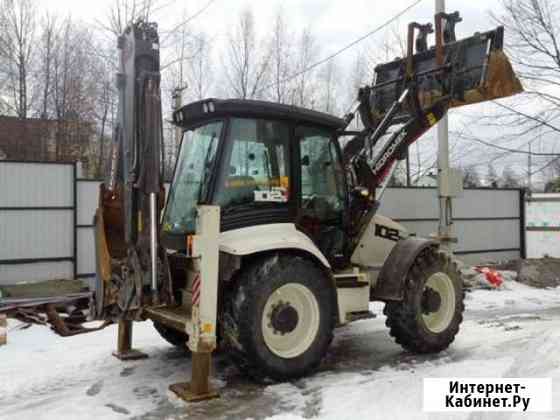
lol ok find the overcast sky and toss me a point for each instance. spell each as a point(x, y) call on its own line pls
point(334, 24)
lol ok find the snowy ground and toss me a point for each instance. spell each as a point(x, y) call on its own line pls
point(508, 333)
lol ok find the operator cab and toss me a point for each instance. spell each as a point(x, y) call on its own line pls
point(262, 163)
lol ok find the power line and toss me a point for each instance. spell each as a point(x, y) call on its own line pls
point(507, 149)
point(187, 20)
point(542, 168)
point(330, 57)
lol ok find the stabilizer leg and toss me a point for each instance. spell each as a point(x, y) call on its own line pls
point(204, 306)
point(199, 388)
point(124, 343)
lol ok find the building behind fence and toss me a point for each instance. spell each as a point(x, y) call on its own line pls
point(45, 140)
point(46, 216)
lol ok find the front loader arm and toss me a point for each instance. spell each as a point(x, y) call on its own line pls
point(411, 94)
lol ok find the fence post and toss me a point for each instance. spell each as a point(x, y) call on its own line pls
point(522, 223)
point(75, 218)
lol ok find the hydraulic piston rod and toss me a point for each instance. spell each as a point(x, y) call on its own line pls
point(154, 245)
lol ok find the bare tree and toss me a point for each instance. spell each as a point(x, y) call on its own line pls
point(492, 178)
point(123, 12)
point(281, 59)
point(49, 28)
point(360, 74)
point(75, 84)
point(17, 42)
point(303, 93)
point(105, 103)
point(533, 45)
point(248, 62)
point(471, 178)
point(328, 82)
point(200, 68)
point(509, 179)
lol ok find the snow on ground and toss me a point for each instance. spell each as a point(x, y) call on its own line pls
point(507, 333)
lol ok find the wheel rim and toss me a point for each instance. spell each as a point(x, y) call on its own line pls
point(285, 334)
point(437, 320)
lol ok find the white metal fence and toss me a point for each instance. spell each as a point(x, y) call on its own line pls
point(46, 215)
point(489, 223)
point(543, 225)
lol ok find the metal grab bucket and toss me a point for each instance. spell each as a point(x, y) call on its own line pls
point(468, 71)
point(500, 82)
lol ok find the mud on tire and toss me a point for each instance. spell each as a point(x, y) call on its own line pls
point(256, 304)
point(414, 322)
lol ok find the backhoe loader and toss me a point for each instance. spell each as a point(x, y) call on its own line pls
point(269, 236)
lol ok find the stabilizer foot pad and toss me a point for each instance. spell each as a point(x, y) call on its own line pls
point(130, 355)
point(183, 391)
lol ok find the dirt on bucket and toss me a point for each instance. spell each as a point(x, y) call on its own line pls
point(501, 82)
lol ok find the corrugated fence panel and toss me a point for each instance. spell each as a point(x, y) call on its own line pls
point(36, 221)
point(543, 225)
point(35, 184)
point(88, 197)
point(487, 222)
point(36, 234)
point(13, 274)
point(421, 203)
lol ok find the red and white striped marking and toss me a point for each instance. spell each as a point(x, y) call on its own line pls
point(196, 290)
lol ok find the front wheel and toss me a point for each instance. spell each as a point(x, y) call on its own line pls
point(428, 317)
point(283, 315)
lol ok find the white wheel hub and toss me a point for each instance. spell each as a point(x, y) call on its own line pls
point(290, 320)
point(439, 288)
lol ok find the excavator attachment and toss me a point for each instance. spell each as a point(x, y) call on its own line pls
point(459, 73)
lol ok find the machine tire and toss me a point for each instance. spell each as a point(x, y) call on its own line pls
point(259, 348)
point(409, 320)
point(172, 336)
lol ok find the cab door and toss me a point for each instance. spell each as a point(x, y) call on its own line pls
point(322, 191)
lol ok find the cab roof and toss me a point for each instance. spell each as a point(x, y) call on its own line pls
point(208, 109)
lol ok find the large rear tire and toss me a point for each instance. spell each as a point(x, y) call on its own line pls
point(282, 316)
point(172, 336)
point(428, 318)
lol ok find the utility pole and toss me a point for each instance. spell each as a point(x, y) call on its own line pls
point(445, 226)
point(529, 168)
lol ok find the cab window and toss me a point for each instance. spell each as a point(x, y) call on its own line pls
point(256, 170)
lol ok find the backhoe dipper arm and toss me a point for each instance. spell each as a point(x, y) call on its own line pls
point(132, 197)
